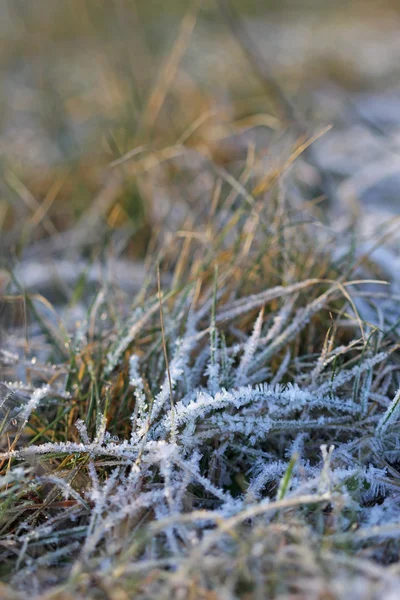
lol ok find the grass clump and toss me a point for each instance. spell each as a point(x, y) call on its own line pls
point(200, 393)
point(243, 447)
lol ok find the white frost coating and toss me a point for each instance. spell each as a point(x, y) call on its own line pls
point(32, 404)
point(249, 350)
point(240, 435)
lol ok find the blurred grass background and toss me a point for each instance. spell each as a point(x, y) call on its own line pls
point(86, 82)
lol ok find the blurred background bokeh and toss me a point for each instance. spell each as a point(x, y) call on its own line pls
point(112, 111)
point(77, 78)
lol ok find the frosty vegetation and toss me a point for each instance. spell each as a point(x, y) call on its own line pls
point(263, 454)
point(199, 302)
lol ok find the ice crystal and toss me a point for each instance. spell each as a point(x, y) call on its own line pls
point(251, 431)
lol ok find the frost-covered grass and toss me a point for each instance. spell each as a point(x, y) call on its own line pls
point(200, 374)
point(229, 432)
